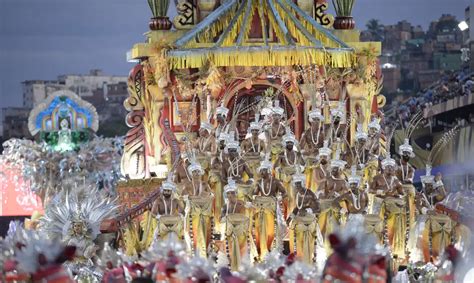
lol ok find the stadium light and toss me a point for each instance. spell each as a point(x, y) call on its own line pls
point(463, 26)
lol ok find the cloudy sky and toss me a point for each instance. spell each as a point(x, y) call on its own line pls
point(40, 39)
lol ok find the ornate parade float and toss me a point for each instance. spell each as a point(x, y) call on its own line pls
point(257, 151)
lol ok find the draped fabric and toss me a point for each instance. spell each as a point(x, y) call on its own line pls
point(394, 210)
point(328, 220)
point(264, 218)
point(439, 228)
point(285, 176)
point(201, 229)
point(237, 228)
point(218, 202)
point(169, 227)
point(303, 237)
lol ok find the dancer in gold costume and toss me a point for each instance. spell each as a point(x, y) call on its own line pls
point(216, 179)
point(320, 171)
point(311, 141)
point(198, 197)
point(234, 167)
point(275, 131)
point(236, 226)
point(394, 209)
point(337, 128)
point(303, 221)
point(373, 146)
point(334, 186)
point(253, 146)
point(267, 195)
point(206, 147)
point(405, 173)
point(168, 210)
point(287, 163)
point(356, 199)
point(313, 138)
point(359, 153)
point(221, 118)
point(439, 229)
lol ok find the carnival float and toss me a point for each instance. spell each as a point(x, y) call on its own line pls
point(257, 151)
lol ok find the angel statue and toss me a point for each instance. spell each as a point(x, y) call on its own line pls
point(75, 220)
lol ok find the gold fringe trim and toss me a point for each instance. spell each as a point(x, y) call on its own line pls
point(234, 32)
point(263, 57)
point(326, 41)
point(274, 25)
point(301, 39)
point(210, 33)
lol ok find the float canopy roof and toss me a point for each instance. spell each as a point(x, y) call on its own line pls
point(259, 33)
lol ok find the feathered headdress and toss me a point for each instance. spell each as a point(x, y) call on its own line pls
point(339, 111)
point(374, 124)
point(230, 187)
point(298, 177)
point(289, 137)
point(222, 110)
point(439, 146)
point(66, 209)
point(255, 125)
point(266, 163)
point(206, 126)
point(169, 184)
point(231, 143)
point(407, 132)
point(276, 109)
point(354, 177)
point(360, 133)
point(336, 161)
point(325, 150)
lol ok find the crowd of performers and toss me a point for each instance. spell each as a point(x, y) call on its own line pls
point(273, 191)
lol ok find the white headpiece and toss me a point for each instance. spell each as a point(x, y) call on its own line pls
point(339, 111)
point(354, 178)
point(406, 147)
point(206, 126)
point(315, 114)
point(195, 166)
point(222, 110)
point(255, 125)
point(223, 137)
point(289, 137)
point(374, 124)
point(230, 187)
point(337, 162)
point(184, 155)
point(231, 143)
point(265, 164)
point(276, 109)
point(325, 150)
point(388, 161)
point(168, 185)
point(427, 178)
point(298, 177)
point(361, 134)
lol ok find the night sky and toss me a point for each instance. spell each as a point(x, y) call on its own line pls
point(40, 39)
